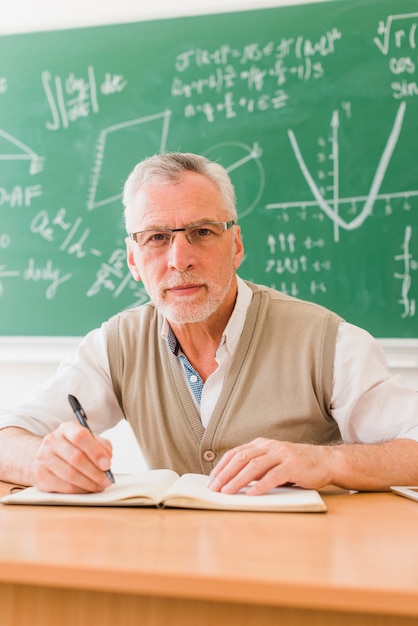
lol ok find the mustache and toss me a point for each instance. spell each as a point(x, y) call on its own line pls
point(185, 278)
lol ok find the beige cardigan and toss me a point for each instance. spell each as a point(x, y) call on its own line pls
point(279, 385)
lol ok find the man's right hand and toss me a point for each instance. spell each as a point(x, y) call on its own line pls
point(72, 460)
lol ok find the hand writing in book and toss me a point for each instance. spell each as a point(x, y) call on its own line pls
point(272, 463)
point(71, 460)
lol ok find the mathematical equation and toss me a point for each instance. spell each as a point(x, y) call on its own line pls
point(73, 97)
point(396, 37)
point(252, 78)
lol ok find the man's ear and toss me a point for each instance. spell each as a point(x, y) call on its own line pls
point(130, 259)
point(239, 248)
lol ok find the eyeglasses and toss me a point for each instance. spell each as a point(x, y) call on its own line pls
point(201, 235)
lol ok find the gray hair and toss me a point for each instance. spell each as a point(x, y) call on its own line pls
point(169, 167)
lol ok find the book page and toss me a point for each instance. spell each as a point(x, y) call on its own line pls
point(190, 491)
point(407, 492)
point(146, 488)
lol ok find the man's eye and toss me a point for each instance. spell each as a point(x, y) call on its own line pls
point(159, 237)
point(201, 232)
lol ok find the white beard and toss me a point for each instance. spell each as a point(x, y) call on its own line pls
point(188, 311)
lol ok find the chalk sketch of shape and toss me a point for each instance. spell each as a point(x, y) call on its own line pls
point(374, 187)
point(243, 164)
point(11, 149)
point(118, 149)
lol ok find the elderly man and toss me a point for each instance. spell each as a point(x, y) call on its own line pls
point(215, 375)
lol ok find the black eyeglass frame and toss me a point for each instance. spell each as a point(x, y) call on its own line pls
point(225, 226)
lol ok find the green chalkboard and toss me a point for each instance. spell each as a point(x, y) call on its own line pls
point(312, 108)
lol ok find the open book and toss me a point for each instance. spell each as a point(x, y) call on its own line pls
point(164, 488)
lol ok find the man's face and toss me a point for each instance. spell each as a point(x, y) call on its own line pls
point(188, 283)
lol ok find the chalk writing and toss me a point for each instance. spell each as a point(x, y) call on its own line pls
point(74, 241)
point(409, 264)
point(270, 65)
point(113, 83)
point(46, 227)
point(69, 99)
point(112, 275)
point(396, 35)
point(228, 105)
point(285, 258)
point(220, 80)
point(19, 196)
point(74, 97)
point(396, 32)
point(404, 89)
point(255, 51)
point(47, 274)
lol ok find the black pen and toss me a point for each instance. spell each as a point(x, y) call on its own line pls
point(82, 418)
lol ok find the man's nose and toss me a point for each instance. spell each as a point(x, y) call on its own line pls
point(180, 255)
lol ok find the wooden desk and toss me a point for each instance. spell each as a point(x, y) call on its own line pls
point(356, 564)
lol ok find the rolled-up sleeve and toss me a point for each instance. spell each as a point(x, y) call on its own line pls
point(368, 403)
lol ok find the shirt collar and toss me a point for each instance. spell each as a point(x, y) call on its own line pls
point(233, 329)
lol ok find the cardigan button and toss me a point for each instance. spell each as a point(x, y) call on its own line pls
point(209, 455)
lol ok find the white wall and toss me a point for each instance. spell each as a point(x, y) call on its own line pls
point(32, 15)
point(27, 362)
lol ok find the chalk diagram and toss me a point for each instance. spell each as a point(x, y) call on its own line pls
point(243, 164)
point(331, 207)
point(12, 149)
point(130, 141)
point(134, 139)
